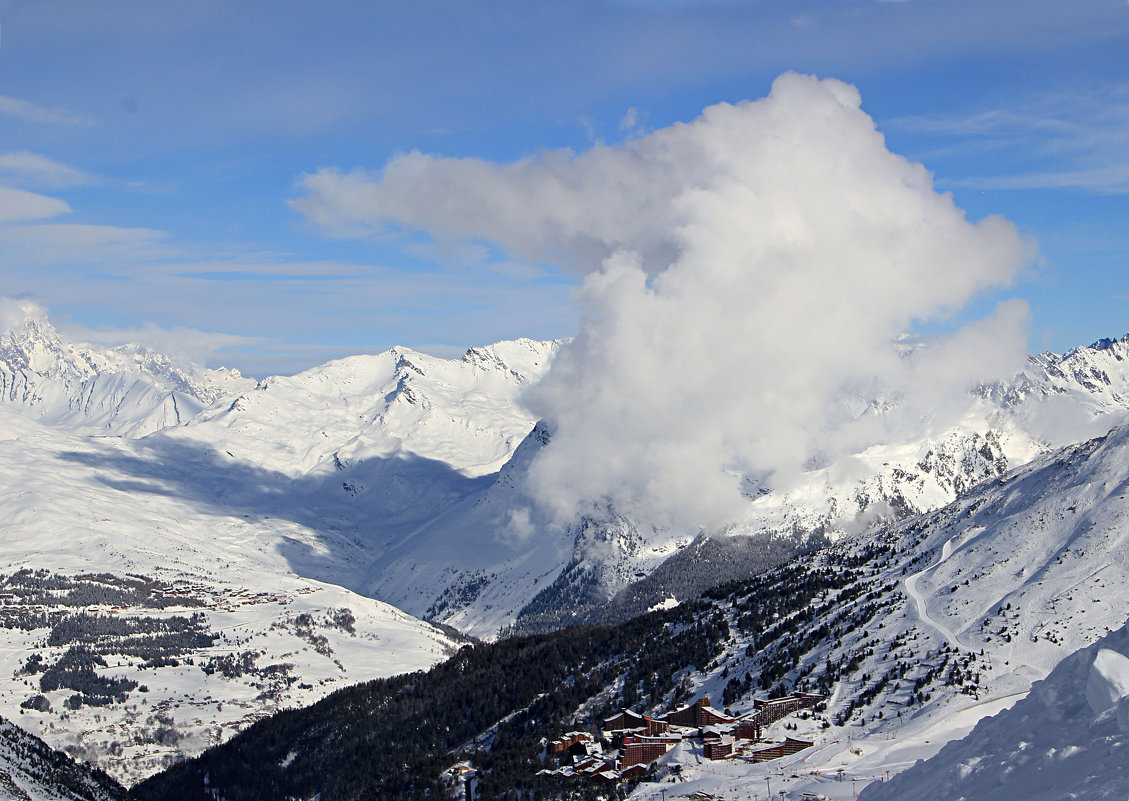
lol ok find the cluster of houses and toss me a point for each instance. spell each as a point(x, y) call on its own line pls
point(638, 740)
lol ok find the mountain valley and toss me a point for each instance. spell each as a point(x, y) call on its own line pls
point(238, 548)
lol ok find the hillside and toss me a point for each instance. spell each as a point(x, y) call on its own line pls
point(276, 506)
point(1066, 739)
point(913, 634)
point(406, 468)
point(141, 622)
point(31, 771)
point(490, 563)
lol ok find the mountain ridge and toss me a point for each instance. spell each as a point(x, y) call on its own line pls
point(403, 448)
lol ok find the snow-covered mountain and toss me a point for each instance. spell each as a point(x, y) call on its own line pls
point(414, 461)
point(1096, 376)
point(950, 617)
point(32, 771)
point(400, 476)
point(148, 612)
point(488, 562)
point(234, 524)
point(461, 413)
point(124, 391)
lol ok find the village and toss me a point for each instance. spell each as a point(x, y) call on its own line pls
point(629, 743)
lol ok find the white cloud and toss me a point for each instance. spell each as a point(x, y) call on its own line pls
point(14, 312)
point(57, 243)
point(33, 168)
point(184, 345)
point(26, 110)
point(17, 205)
point(1076, 140)
point(743, 274)
point(630, 119)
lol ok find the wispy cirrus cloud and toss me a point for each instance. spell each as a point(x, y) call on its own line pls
point(1112, 179)
point(32, 112)
point(18, 205)
point(25, 167)
point(183, 343)
point(1068, 140)
point(64, 243)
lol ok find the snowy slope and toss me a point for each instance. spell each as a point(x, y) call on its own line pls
point(232, 546)
point(31, 771)
point(461, 413)
point(374, 476)
point(947, 618)
point(260, 504)
point(1069, 738)
point(398, 454)
point(912, 634)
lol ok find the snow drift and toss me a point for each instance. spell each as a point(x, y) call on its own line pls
point(1069, 738)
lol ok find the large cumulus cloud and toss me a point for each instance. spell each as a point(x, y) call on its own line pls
point(744, 279)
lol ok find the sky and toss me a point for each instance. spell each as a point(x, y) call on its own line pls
point(268, 185)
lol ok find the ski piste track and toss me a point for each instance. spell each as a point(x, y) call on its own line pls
point(910, 583)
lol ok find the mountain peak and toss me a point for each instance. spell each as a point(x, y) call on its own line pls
point(127, 390)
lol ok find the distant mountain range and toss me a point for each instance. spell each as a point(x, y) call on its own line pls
point(414, 462)
point(125, 391)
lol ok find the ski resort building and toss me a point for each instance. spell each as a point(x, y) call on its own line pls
point(746, 729)
point(624, 720)
point(697, 715)
point(721, 748)
point(787, 748)
point(641, 739)
point(637, 750)
point(573, 742)
point(772, 710)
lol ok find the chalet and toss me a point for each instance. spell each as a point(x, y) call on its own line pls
point(628, 721)
point(715, 732)
point(633, 772)
point(606, 776)
point(697, 714)
point(587, 764)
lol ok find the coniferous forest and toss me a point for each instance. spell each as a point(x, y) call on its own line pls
point(495, 705)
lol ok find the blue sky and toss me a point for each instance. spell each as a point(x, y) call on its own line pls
point(150, 153)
